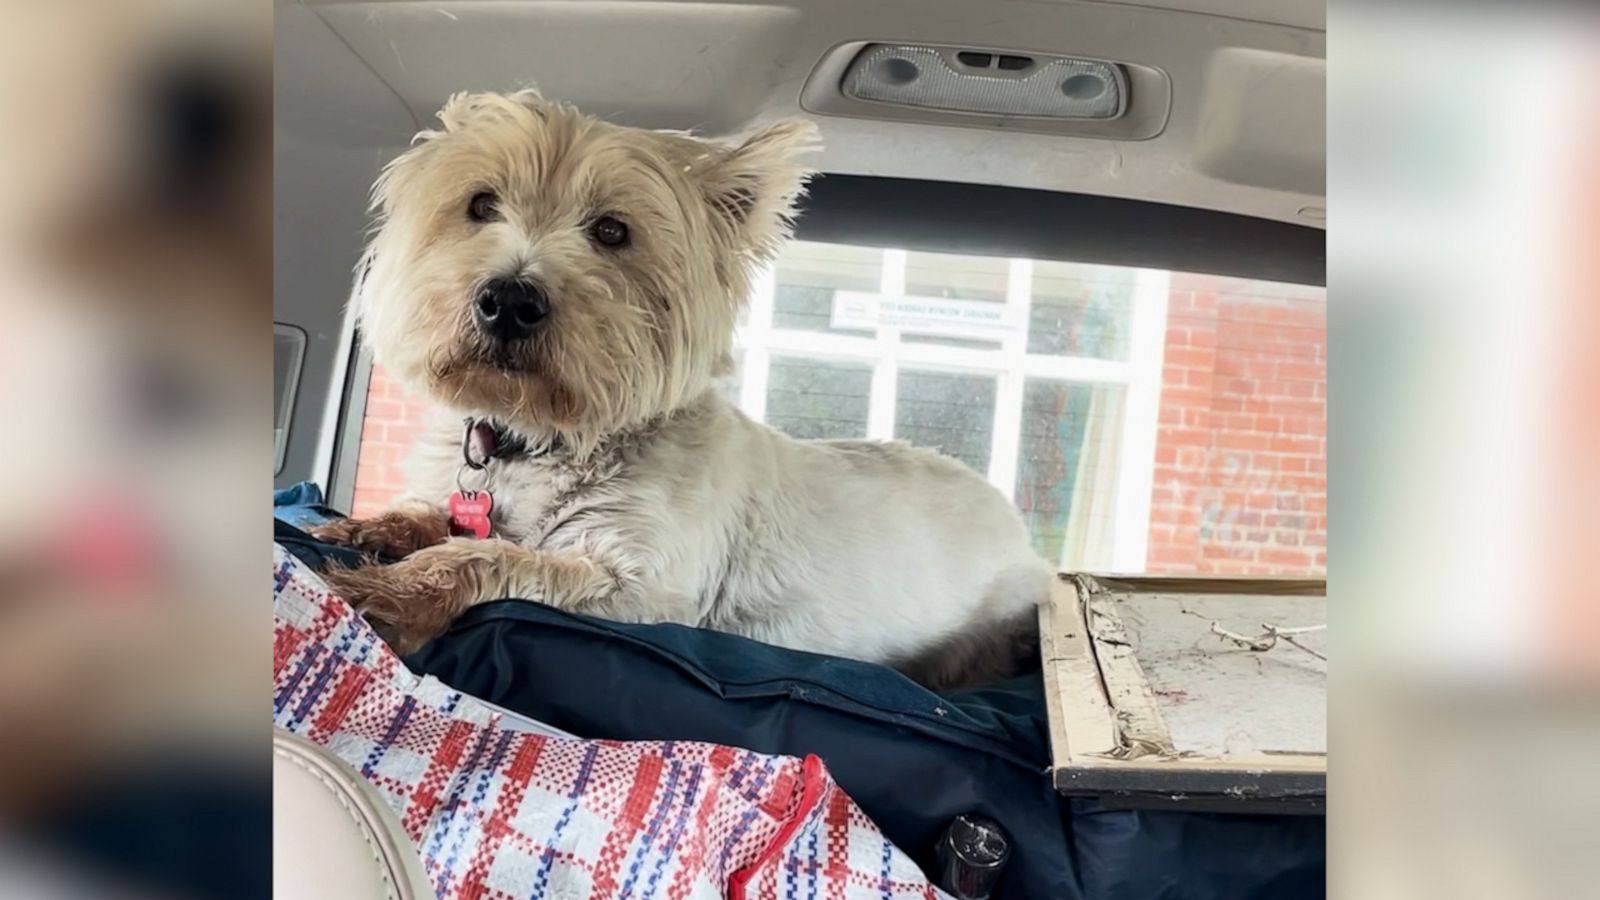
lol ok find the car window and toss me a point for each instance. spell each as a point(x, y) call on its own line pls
point(288, 354)
point(1141, 420)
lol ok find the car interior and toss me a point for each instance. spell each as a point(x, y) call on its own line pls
point(1078, 245)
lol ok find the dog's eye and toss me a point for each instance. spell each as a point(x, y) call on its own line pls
point(484, 207)
point(609, 232)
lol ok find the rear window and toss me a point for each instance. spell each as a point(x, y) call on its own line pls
point(1141, 420)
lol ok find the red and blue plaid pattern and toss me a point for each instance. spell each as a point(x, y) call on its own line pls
point(502, 812)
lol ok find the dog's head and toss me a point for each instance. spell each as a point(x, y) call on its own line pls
point(565, 274)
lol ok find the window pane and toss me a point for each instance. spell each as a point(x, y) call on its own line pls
point(1236, 437)
point(818, 399)
point(809, 273)
point(1080, 310)
point(949, 276)
point(956, 277)
point(288, 352)
point(953, 414)
point(1067, 469)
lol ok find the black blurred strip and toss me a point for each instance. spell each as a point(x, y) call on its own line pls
point(188, 827)
point(984, 220)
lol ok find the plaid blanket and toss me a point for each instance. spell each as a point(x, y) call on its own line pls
point(499, 811)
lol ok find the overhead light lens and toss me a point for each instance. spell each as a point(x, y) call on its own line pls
point(897, 71)
point(987, 83)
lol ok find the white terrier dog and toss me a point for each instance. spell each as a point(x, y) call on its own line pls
point(570, 287)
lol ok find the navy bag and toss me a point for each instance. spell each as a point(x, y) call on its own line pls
point(913, 760)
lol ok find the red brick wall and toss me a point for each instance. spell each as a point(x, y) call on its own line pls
point(1240, 481)
point(387, 432)
point(1241, 452)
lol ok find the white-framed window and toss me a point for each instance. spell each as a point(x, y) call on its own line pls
point(1043, 376)
point(1141, 421)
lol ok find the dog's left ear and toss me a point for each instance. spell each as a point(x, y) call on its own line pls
point(755, 184)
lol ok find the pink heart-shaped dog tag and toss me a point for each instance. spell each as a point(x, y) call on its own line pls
point(469, 513)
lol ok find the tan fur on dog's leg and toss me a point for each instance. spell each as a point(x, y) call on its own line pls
point(399, 532)
point(415, 600)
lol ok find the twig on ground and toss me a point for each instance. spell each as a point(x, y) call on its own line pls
point(1268, 638)
point(1317, 654)
point(1258, 643)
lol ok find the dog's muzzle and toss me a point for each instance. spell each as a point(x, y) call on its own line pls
point(509, 310)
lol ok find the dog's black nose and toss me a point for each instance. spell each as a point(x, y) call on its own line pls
point(510, 309)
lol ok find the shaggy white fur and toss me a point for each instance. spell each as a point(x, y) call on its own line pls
point(645, 496)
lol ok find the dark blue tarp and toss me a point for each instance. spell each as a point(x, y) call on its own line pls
point(913, 760)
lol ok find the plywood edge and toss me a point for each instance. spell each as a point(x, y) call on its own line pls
point(1142, 730)
point(1049, 663)
point(1203, 584)
point(1163, 783)
point(1245, 763)
point(1081, 721)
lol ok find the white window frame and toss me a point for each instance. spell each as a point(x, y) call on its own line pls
point(1010, 365)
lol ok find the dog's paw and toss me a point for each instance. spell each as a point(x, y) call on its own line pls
point(343, 532)
point(395, 534)
point(408, 603)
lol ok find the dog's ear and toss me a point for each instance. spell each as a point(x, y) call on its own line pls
point(755, 184)
point(462, 109)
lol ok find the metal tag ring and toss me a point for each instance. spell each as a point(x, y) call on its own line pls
point(461, 478)
point(466, 446)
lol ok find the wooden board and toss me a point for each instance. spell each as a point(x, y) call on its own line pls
point(1138, 716)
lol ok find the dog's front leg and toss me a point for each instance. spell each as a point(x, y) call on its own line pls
point(412, 601)
point(395, 533)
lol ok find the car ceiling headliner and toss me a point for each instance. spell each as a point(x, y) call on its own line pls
point(1244, 135)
